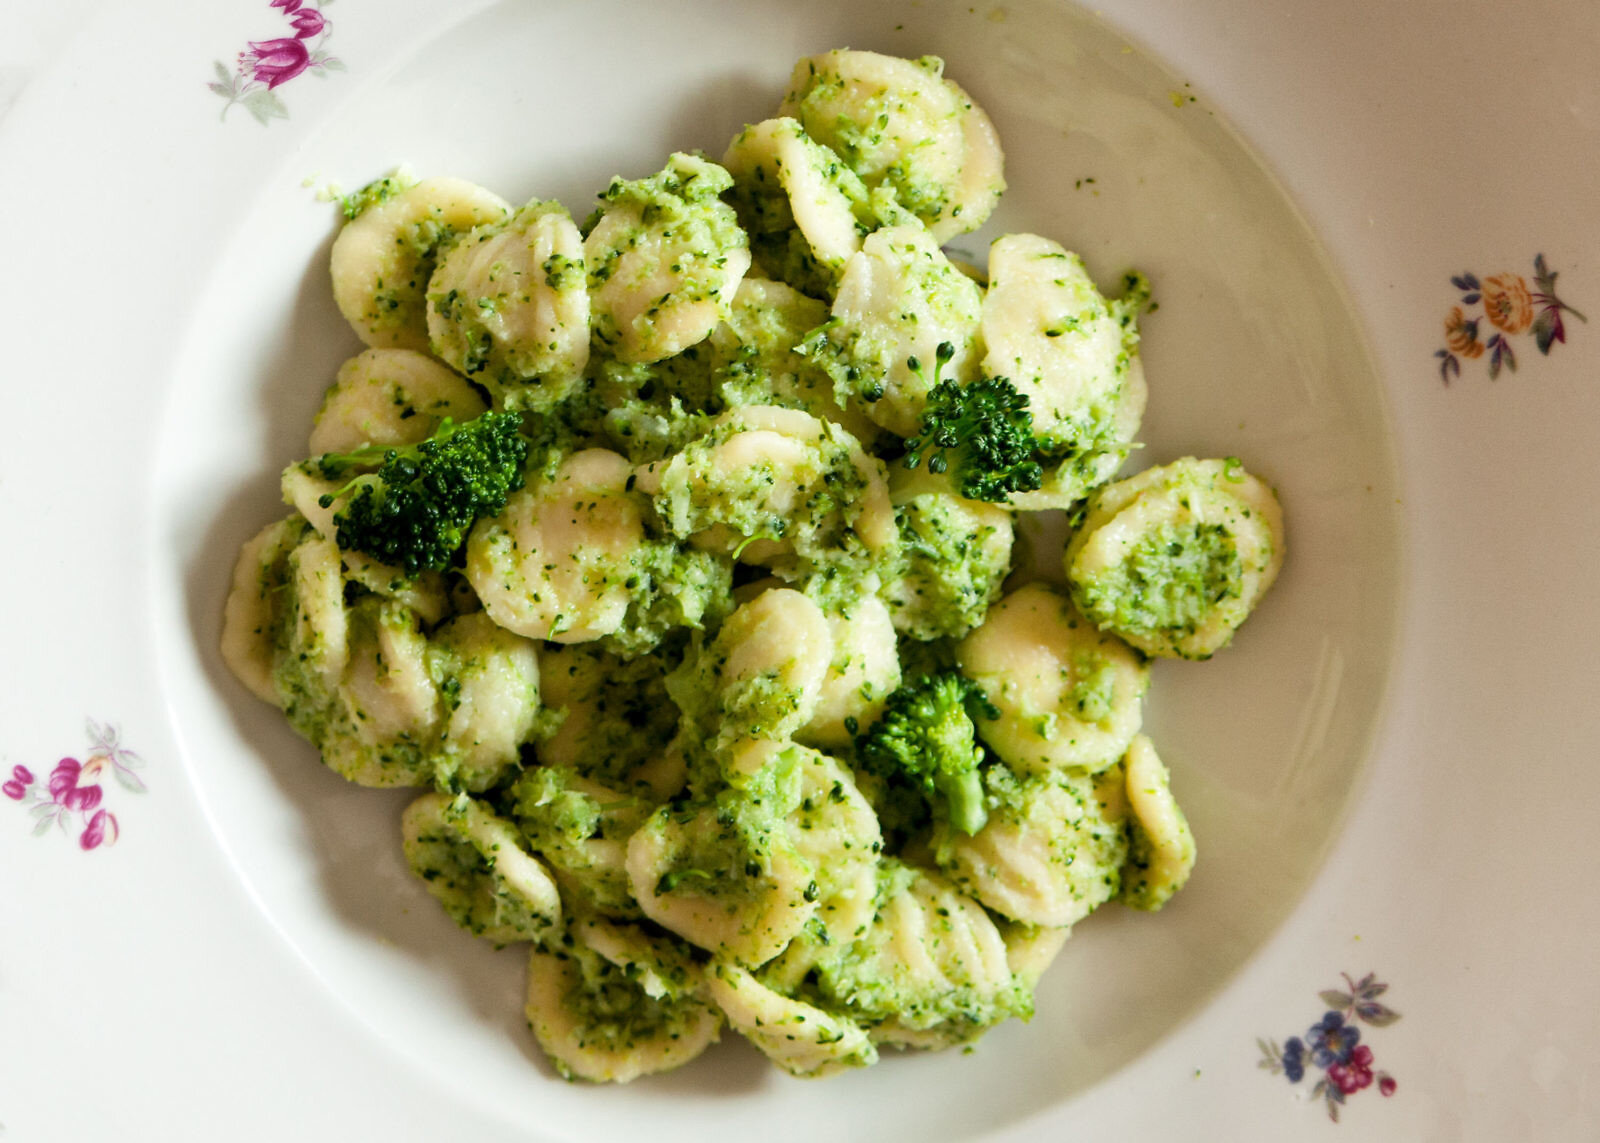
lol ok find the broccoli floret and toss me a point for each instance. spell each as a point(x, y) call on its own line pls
point(415, 511)
point(927, 738)
point(987, 426)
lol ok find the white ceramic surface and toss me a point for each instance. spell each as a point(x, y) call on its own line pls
point(1390, 772)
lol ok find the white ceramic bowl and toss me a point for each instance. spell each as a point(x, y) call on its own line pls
point(1389, 773)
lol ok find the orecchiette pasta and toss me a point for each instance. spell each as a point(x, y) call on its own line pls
point(1067, 695)
point(648, 546)
point(384, 256)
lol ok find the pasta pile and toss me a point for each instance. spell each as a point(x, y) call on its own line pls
point(717, 694)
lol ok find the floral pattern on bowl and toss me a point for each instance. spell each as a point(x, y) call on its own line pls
point(1511, 309)
point(1332, 1045)
point(73, 796)
point(266, 65)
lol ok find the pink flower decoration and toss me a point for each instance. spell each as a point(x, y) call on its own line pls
point(64, 778)
point(307, 22)
point(276, 61)
point(101, 830)
point(21, 779)
point(288, 6)
point(83, 799)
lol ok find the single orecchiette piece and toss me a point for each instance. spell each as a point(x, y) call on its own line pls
point(1175, 558)
point(1072, 353)
point(954, 555)
point(474, 864)
point(863, 672)
point(1161, 850)
point(390, 397)
point(758, 362)
point(581, 827)
point(798, 201)
point(1068, 695)
point(929, 971)
point(554, 564)
point(664, 256)
point(488, 681)
point(900, 123)
point(509, 306)
point(802, 1040)
point(251, 617)
point(385, 720)
point(720, 880)
point(762, 676)
point(899, 299)
point(597, 1022)
point(384, 256)
point(1051, 852)
point(771, 485)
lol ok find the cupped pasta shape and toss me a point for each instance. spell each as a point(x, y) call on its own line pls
point(1051, 852)
point(954, 556)
point(581, 827)
point(383, 257)
point(863, 672)
point(1161, 852)
point(1066, 348)
point(900, 123)
point(801, 205)
point(777, 487)
point(508, 305)
point(1068, 695)
point(1175, 558)
point(759, 363)
point(488, 679)
point(899, 299)
point(383, 724)
point(801, 1039)
point(724, 876)
point(251, 616)
point(664, 256)
point(762, 676)
point(391, 397)
point(598, 1022)
point(929, 971)
point(834, 831)
point(474, 864)
point(554, 564)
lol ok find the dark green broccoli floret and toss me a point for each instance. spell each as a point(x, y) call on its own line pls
point(927, 738)
point(415, 511)
point(987, 426)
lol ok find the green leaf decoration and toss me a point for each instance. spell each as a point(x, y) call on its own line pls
point(1335, 999)
point(224, 76)
point(1544, 329)
point(43, 827)
point(1378, 1015)
point(264, 105)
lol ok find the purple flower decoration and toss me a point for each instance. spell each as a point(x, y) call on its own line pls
point(101, 830)
point(276, 61)
point(1333, 1044)
point(17, 787)
point(258, 72)
point(74, 796)
point(307, 22)
point(1331, 1040)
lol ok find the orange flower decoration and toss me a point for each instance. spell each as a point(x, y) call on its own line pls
point(1507, 303)
point(1461, 335)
